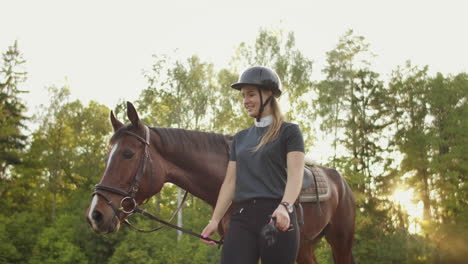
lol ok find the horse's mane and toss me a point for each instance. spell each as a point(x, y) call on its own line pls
point(189, 140)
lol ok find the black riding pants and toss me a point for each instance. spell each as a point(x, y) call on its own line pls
point(243, 243)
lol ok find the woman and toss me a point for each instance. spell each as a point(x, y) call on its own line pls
point(263, 178)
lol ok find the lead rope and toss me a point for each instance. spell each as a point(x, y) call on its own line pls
point(159, 227)
point(152, 217)
point(187, 231)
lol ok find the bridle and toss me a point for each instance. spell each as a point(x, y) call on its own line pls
point(129, 195)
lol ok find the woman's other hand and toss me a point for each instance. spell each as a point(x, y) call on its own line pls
point(282, 218)
point(208, 231)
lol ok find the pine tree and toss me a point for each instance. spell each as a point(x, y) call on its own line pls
point(12, 109)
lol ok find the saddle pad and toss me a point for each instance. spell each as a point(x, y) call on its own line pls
point(308, 192)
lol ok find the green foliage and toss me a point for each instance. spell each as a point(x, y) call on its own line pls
point(448, 135)
point(379, 241)
point(335, 95)
point(23, 229)
point(350, 104)
point(179, 93)
point(55, 244)
point(8, 252)
point(227, 107)
point(12, 110)
point(69, 145)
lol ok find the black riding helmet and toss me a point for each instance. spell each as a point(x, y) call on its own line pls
point(262, 78)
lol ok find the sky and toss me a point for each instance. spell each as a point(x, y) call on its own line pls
point(100, 48)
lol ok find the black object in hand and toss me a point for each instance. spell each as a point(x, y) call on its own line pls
point(269, 232)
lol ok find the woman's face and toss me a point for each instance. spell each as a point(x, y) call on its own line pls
point(251, 100)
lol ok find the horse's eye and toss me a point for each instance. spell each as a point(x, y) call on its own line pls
point(127, 154)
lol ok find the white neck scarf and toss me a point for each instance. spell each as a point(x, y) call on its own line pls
point(264, 121)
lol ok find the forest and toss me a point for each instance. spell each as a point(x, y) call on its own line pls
point(400, 141)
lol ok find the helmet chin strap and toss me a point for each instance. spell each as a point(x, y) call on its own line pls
point(262, 105)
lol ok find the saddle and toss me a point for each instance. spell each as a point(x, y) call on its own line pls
point(315, 186)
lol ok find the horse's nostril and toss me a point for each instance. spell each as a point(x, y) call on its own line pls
point(97, 216)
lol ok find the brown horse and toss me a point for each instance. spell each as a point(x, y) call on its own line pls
point(142, 159)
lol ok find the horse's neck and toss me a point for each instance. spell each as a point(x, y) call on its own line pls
point(199, 172)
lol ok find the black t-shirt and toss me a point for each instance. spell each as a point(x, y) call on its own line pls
point(263, 173)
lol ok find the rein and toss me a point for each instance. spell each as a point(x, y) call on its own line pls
point(129, 206)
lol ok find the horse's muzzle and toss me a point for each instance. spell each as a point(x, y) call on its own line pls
point(103, 224)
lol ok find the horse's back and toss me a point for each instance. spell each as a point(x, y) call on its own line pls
point(318, 214)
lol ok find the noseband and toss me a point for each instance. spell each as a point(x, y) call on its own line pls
point(128, 195)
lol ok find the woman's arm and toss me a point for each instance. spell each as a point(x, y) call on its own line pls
point(226, 194)
point(295, 163)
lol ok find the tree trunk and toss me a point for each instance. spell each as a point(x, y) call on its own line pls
point(425, 195)
point(179, 214)
point(158, 203)
point(54, 205)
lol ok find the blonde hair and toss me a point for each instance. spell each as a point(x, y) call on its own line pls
point(274, 129)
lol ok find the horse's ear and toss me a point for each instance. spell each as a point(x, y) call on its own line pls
point(133, 115)
point(115, 123)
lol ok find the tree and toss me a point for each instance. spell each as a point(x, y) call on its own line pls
point(448, 167)
point(12, 109)
point(408, 104)
point(447, 104)
point(70, 138)
point(335, 95)
point(54, 136)
point(228, 115)
point(350, 103)
point(178, 94)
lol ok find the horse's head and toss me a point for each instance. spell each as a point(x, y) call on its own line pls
point(131, 175)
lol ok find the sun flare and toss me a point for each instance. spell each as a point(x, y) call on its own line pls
point(405, 198)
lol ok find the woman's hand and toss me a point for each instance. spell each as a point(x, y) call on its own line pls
point(282, 218)
point(208, 231)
